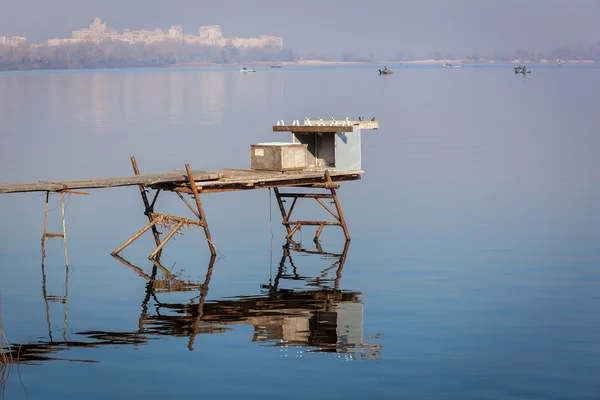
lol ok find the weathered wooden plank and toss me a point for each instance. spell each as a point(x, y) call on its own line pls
point(312, 129)
point(257, 174)
point(267, 177)
point(146, 180)
point(250, 182)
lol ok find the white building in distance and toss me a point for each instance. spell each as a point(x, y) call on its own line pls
point(210, 35)
point(12, 41)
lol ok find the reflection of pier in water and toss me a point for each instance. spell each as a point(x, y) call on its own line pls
point(318, 316)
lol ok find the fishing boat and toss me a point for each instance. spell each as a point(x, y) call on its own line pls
point(385, 71)
point(521, 69)
point(244, 69)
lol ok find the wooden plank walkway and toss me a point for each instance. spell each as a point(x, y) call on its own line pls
point(238, 179)
point(225, 180)
point(133, 180)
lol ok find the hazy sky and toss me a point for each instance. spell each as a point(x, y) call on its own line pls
point(330, 26)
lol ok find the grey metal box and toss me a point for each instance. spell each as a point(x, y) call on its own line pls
point(278, 156)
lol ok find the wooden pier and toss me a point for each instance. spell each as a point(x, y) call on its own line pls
point(197, 182)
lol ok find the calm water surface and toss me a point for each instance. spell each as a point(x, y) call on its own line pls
point(473, 271)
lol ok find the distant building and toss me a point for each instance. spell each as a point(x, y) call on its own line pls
point(57, 42)
point(262, 41)
point(12, 41)
point(211, 32)
point(246, 42)
point(141, 36)
point(176, 32)
point(209, 35)
point(97, 32)
point(272, 41)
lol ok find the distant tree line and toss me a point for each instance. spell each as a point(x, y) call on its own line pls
point(580, 51)
point(114, 54)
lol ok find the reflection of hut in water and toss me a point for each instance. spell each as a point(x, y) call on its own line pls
point(307, 318)
point(319, 315)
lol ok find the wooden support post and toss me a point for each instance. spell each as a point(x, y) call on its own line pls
point(63, 234)
point(45, 226)
point(148, 208)
point(282, 209)
point(293, 227)
point(137, 235)
point(342, 220)
point(296, 228)
point(194, 188)
point(328, 209)
point(164, 242)
point(318, 233)
point(187, 203)
point(64, 230)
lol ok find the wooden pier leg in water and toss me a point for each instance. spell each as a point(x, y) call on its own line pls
point(285, 215)
point(45, 228)
point(296, 228)
point(194, 188)
point(137, 235)
point(164, 242)
point(64, 229)
point(336, 201)
point(318, 233)
point(64, 237)
point(147, 206)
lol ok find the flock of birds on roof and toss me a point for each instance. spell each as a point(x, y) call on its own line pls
point(333, 122)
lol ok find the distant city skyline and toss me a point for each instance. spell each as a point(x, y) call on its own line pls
point(209, 35)
point(385, 27)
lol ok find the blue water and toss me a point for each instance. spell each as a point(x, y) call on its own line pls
point(473, 270)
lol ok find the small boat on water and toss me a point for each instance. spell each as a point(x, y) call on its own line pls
point(385, 71)
point(244, 69)
point(447, 65)
point(275, 66)
point(521, 69)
